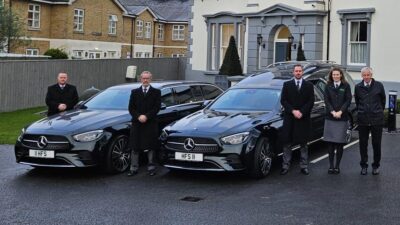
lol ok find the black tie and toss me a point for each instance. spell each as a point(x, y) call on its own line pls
point(298, 85)
point(336, 85)
point(367, 85)
point(145, 91)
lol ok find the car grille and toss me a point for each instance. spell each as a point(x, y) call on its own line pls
point(201, 145)
point(54, 142)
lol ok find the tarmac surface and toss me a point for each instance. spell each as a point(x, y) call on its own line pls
point(87, 196)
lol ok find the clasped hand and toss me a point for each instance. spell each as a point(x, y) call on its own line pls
point(297, 114)
point(142, 118)
point(337, 114)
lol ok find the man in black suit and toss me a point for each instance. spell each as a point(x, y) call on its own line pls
point(297, 100)
point(61, 96)
point(144, 104)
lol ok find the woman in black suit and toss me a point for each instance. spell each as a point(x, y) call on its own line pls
point(337, 100)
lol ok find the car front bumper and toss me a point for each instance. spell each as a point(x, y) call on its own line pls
point(228, 158)
point(70, 154)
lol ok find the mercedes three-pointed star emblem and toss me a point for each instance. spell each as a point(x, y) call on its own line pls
point(189, 144)
point(42, 142)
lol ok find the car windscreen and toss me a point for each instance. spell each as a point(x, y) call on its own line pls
point(248, 100)
point(110, 99)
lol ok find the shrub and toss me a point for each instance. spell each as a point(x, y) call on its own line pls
point(231, 65)
point(56, 53)
point(300, 53)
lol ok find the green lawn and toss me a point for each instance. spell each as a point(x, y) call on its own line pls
point(11, 123)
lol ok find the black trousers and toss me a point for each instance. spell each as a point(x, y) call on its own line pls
point(376, 135)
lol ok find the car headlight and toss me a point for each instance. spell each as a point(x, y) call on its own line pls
point(235, 138)
point(21, 134)
point(164, 135)
point(88, 136)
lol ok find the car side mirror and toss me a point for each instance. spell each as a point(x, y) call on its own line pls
point(282, 110)
point(206, 103)
point(79, 105)
point(163, 106)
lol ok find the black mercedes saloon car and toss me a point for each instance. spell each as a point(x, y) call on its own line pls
point(97, 131)
point(239, 130)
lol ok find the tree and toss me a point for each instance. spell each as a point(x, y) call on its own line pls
point(231, 64)
point(56, 53)
point(300, 53)
point(11, 30)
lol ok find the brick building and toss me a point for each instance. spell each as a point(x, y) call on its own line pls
point(90, 29)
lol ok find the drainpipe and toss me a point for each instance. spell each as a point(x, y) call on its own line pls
point(9, 24)
point(329, 30)
point(154, 37)
point(132, 33)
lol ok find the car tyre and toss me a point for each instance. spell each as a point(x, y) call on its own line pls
point(117, 158)
point(262, 160)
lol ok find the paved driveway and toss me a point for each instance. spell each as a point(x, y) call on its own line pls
point(76, 196)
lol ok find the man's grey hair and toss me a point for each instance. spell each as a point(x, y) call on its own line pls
point(146, 72)
point(366, 69)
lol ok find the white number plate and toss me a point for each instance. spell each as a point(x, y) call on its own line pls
point(41, 154)
point(188, 156)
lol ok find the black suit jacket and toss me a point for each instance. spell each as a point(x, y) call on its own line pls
point(297, 131)
point(55, 96)
point(337, 99)
point(144, 135)
point(370, 103)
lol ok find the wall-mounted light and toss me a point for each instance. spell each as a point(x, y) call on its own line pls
point(290, 40)
point(260, 40)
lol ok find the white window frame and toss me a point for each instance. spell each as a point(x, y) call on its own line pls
point(34, 21)
point(112, 54)
point(147, 54)
point(138, 54)
point(78, 54)
point(79, 20)
point(112, 24)
point(160, 32)
point(147, 33)
point(178, 32)
point(139, 28)
point(177, 55)
point(159, 55)
point(365, 43)
point(32, 51)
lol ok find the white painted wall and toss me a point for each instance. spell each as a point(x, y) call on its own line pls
point(87, 46)
point(384, 30)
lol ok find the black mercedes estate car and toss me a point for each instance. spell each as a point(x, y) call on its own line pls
point(239, 130)
point(97, 131)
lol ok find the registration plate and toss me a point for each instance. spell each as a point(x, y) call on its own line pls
point(41, 154)
point(188, 156)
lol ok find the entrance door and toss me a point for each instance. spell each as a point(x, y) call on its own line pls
point(280, 51)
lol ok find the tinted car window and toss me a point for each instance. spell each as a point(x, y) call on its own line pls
point(248, 100)
point(110, 99)
point(317, 96)
point(167, 97)
point(210, 92)
point(197, 94)
point(183, 94)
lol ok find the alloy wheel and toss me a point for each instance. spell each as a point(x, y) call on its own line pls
point(120, 158)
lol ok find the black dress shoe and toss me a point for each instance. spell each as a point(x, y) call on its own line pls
point(132, 173)
point(152, 172)
point(363, 171)
point(331, 171)
point(337, 170)
point(305, 171)
point(375, 171)
point(284, 171)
